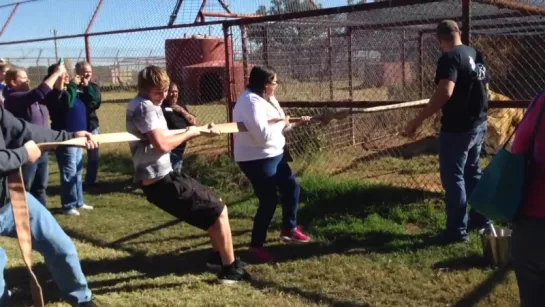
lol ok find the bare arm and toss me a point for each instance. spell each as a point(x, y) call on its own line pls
point(437, 101)
point(191, 119)
point(165, 143)
point(149, 122)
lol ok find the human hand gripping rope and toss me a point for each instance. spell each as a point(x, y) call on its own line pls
point(17, 191)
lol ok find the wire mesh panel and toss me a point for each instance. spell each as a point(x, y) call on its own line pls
point(364, 57)
point(512, 39)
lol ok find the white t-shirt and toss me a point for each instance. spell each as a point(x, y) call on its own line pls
point(142, 116)
point(262, 140)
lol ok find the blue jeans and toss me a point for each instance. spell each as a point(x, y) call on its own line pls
point(70, 162)
point(92, 163)
point(54, 245)
point(267, 176)
point(35, 177)
point(459, 154)
point(528, 257)
point(177, 159)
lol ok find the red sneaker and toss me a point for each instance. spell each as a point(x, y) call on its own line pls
point(294, 235)
point(261, 253)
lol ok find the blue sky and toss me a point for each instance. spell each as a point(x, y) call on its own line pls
point(37, 19)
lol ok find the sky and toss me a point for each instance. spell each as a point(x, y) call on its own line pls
point(37, 20)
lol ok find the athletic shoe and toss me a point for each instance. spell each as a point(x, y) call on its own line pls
point(294, 235)
point(233, 274)
point(72, 212)
point(214, 261)
point(86, 207)
point(261, 254)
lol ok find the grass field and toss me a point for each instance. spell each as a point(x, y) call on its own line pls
point(370, 244)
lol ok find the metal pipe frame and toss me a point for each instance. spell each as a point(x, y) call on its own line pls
point(371, 103)
point(174, 14)
point(15, 7)
point(295, 15)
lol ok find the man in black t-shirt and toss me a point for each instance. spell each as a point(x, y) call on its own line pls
point(461, 94)
point(177, 116)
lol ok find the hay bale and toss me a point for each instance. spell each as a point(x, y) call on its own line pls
point(501, 123)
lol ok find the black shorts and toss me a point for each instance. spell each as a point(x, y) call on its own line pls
point(186, 199)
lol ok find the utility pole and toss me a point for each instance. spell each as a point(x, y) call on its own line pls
point(54, 31)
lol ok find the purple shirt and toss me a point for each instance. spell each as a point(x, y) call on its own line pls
point(29, 106)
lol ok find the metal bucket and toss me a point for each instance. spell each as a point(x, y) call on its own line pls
point(497, 250)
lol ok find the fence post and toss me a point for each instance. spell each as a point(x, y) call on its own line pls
point(466, 22)
point(229, 82)
point(421, 63)
point(265, 48)
point(87, 49)
point(351, 84)
point(403, 56)
point(330, 58)
point(244, 34)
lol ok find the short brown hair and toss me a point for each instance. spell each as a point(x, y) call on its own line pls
point(447, 29)
point(152, 77)
point(11, 75)
point(80, 64)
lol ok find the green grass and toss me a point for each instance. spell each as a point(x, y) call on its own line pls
point(370, 244)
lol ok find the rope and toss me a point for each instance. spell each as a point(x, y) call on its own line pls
point(16, 186)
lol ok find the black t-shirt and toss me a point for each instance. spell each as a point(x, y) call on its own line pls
point(467, 107)
point(175, 120)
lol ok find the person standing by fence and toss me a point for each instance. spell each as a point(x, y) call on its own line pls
point(89, 93)
point(260, 155)
point(178, 117)
point(29, 105)
point(68, 113)
point(462, 95)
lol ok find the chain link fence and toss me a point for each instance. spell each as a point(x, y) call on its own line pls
point(329, 56)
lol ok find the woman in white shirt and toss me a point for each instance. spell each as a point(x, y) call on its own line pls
point(259, 153)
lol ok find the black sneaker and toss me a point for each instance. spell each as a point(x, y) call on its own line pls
point(233, 274)
point(214, 261)
point(87, 304)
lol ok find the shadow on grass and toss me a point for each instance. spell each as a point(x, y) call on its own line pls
point(311, 296)
point(150, 267)
point(484, 289)
point(463, 263)
point(377, 214)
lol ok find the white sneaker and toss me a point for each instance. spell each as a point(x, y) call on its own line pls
point(86, 207)
point(72, 212)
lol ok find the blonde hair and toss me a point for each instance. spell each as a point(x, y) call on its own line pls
point(153, 77)
point(11, 75)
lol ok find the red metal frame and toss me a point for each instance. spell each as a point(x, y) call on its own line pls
point(9, 19)
point(89, 26)
point(229, 81)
